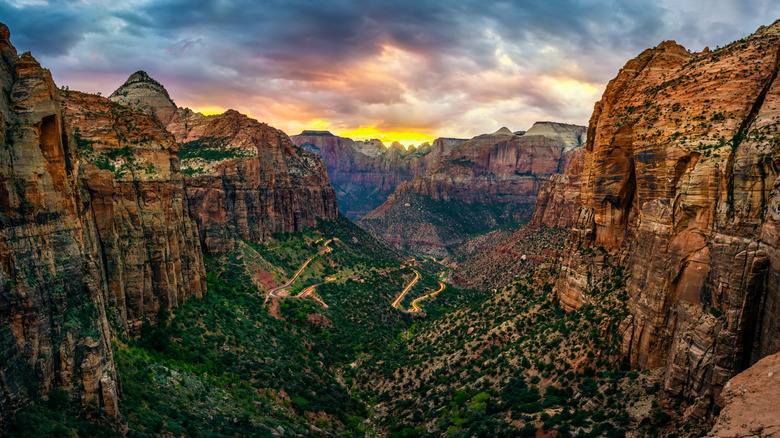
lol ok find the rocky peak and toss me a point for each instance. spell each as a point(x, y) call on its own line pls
point(396, 147)
point(767, 30)
point(142, 92)
point(503, 131)
point(5, 39)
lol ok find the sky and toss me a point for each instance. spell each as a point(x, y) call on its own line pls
point(406, 70)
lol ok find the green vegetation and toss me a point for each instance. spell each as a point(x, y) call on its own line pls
point(57, 417)
point(344, 362)
point(210, 149)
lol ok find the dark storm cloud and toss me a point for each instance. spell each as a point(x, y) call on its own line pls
point(452, 64)
point(45, 31)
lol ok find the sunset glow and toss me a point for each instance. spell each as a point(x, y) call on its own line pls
point(409, 72)
point(387, 137)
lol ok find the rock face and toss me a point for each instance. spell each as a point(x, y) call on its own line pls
point(53, 328)
point(142, 92)
point(96, 231)
point(244, 179)
point(748, 398)
point(131, 170)
point(559, 197)
point(679, 185)
point(364, 173)
point(260, 184)
point(490, 180)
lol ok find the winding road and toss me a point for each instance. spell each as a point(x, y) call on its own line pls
point(415, 308)
point(309, 290)
point(406, 289)
point(275, 291)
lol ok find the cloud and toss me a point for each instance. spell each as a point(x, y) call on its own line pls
point(456, 68)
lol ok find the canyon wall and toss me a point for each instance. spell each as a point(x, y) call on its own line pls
point(243, 179)
point(486, 182)
point(365, 173)
point(679, 187)
point(54, 332)
point(271, 186)
point(101, 228)
point(131, 169)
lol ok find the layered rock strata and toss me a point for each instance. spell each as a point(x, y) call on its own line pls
point(679, 185)
point(365, 173)
point(142, 92)
point(131, 169)
point(54, 332)
point(277, 188)
point(492, 179)
point(244, 179)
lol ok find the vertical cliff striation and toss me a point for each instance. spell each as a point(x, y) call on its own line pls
point(243, 179)
point(53, 327)
point(679, 185)
point(365, 173)
point(265, 184)
point(150, 245)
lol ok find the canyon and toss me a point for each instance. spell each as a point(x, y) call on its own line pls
point(365, 173)
point(623, 276)
point(486, 182)
point(102, 231)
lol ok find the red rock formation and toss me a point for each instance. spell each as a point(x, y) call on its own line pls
point(53, 328)
point(749, 402)
point(559, 197)
point(142, 92)
point(150, 246)
point(278, 188)
point(244, 178)
point(503, 172)
point(365, 173)
point(679, 184)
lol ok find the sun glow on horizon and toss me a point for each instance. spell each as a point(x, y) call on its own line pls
point(406, 138)
point(209, 110)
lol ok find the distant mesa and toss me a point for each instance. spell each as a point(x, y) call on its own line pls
point(501, 170)
point(317, 133)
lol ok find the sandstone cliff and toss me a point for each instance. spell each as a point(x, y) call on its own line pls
point(749, 399)
point(679, 186)
point(53, 327)
point(142, 92)
point(559, 197)
point(364, 173)
point(131, 170)
point(271, 186)
point(244, 179)
point(488, 181)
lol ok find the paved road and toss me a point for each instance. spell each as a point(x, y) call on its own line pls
point(406, 289)
point(308, 291)
point(275, 291)
point(416, 308)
